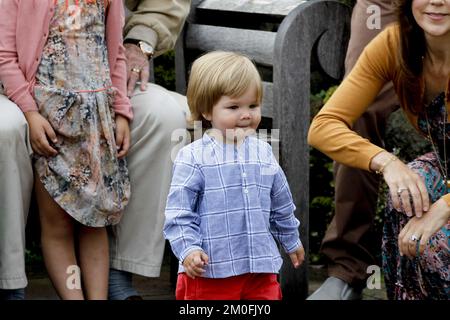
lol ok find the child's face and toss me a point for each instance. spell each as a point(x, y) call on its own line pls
point(236, 117)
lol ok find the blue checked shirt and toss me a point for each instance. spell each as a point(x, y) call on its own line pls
point(231, 202)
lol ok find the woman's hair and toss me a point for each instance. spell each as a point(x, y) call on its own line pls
point(412, 50)
point(218, 74)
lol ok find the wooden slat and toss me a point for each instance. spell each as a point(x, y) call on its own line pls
point(269, 7)
point(253, 43)
point(267, 103)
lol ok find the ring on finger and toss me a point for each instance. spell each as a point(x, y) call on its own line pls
point(401, 189)
point(414, 238)
point(137, 70)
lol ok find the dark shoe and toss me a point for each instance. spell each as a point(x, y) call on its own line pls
point(120, 286)
point(12, 294)
point(135, 298)
point(335, 289)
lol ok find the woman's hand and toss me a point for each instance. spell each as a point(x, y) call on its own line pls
point(194, 263)
point(423, 228)
point(402, 183)
point(122, 136)
point(40, 133)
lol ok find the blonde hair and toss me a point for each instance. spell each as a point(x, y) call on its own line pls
point(217, 74)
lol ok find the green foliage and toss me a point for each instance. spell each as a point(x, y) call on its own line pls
point(33, 254)
point(404, 140)
point(350, 3)
point(321, 188)
point(164, 69)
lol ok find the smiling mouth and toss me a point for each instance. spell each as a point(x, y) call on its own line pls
point(434, 14)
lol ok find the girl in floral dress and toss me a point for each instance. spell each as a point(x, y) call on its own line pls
point(78, 129)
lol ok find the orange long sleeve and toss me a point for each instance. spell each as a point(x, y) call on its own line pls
point(330, 131)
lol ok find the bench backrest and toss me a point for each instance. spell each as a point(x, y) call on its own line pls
point(248, 27)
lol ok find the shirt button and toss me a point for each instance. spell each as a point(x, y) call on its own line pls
point(244, 175)
point(245, 190)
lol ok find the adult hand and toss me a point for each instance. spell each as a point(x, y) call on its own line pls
point(194, 263)
point(137, 67)
point(423, 228)
point(40, 133)
point(403, 184)
point(122, 136)
point(297, 257)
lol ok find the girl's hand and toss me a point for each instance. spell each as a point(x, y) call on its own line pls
point(40, 133)
point(122, 136)
point(194, 263)
point(297, 257)
point(402, 183)
point(423, 228)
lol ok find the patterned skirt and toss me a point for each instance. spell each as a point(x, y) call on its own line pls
point(85, 178)
point(428, 275)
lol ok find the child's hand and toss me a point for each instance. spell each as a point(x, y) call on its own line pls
point(40, 132)
point(297, 257)
point(122, 136)
point(193, 264)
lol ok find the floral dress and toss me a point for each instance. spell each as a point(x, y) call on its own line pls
point(74, 93)
point(428, 275)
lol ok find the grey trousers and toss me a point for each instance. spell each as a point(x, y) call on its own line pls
point(137, 242)
point(16, 182)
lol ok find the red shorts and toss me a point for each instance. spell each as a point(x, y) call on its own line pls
point(249, 286)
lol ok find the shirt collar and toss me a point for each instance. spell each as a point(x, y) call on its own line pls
point(219, 144)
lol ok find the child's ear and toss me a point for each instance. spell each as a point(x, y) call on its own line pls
point(207, 116)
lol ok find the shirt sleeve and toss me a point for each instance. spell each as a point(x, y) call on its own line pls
point(331, 130)
point(114, 24)
point(283, 224)
point(157, 22)
point(17, 88)
point(182, 224)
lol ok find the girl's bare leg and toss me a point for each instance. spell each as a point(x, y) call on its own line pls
point(57, 244)
point(94, 261)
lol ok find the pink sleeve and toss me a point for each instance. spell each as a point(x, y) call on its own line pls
point(114, 25)
point(16, 86)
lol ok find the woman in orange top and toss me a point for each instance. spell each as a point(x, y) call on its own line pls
point(415, 55)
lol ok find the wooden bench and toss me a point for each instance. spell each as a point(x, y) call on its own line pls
point(282, 37)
